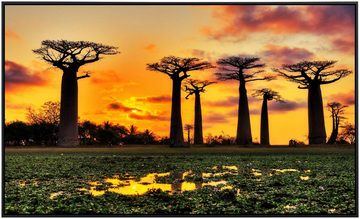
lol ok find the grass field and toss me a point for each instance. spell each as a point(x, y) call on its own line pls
point(197, 180)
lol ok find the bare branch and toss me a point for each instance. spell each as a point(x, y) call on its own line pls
point(63, 53)
point(87, 75)
point(306, 72)
point(174, 66)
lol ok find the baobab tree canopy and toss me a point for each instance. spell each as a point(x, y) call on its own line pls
point(193, 86)
point(268, 94)
point(233, 68)
point(196, 87)
point(177, 69)
point(66, 54)
point(236, 68)
point(69, 56)
point(311, 75)
point(307, 72)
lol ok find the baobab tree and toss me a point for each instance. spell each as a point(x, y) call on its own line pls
point(337, 110)
point(69, 56)
point(196, 87)
point(267, 95)
point(236, 68)
point(177, 69)
point(188, 128)
point(311, 75)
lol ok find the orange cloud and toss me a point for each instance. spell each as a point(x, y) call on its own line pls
point(149, 116)
point(155, 99)
point(215, 118)
point(10, 34)
point(150, 47)
point(121, 107)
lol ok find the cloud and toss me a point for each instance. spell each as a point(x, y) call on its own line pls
point(215, 118)
point(345, 45)
point(10, 34)
point(155, 99)
point(229, 101)
point(106, 77)
point(286, 55)
point(274, 106)
point(149, 116)
point(238, 21)
point(150, 47)
point(343, 98)
point(121, 107)
point(19, 75)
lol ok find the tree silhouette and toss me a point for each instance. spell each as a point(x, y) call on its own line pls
point(177, 69)
point(196, 87)
point(235, 68)
point(48, 113)
point(337, 110)
point(69, 56)
point(311, 75)
point(267, 95)
point(188, 128)
point(348, 133)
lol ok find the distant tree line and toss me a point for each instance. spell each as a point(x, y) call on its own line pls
point(42, 128)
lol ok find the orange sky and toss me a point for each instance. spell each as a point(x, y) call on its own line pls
point(145, 34)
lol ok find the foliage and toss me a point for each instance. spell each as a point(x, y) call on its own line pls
point(31, 177)
point(219, 140)
point(348, 133)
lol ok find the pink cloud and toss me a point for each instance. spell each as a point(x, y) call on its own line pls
point(344, 98)
point(238, 21)
point(286, 55)
point(19, 75)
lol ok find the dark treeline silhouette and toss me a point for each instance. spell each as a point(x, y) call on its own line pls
point(19, 133)
point(69, 56)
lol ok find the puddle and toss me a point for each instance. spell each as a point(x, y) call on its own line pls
point(256, 172)
point(305, 178)
point(285, 170)
point(130, 186)
point(55, 194)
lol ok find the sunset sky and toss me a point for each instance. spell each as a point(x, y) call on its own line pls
point(122, 91)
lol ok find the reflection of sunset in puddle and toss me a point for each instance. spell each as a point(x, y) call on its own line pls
point(285, 170)
point(131, 186)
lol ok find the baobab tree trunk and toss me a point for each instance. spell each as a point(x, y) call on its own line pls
point(243, 133)
point(198, 133)
point(335, 130)
point(264, 130)
point(317, 133)
point(68, 128)
point(176, 128)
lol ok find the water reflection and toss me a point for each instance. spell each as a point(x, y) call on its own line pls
point(130, 186)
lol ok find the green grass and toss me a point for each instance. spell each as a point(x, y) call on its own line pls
point(330, 188)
